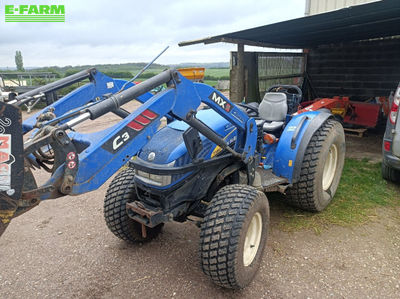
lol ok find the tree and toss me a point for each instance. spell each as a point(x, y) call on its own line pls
point(19, 61)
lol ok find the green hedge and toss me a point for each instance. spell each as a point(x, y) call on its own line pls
point(119, 74)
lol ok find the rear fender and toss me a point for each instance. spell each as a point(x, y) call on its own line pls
point(294, 141)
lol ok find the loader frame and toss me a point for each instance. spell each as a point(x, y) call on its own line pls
point(83, 162)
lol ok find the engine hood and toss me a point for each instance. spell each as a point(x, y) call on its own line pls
point(167, 144)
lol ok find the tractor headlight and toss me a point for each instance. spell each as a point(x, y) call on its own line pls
point(155, 179)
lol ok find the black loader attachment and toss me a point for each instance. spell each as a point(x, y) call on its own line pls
point(11, 164)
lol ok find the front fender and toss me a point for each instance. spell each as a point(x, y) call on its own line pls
point(294, 141)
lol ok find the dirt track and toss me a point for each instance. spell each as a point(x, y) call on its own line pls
point(62, 248)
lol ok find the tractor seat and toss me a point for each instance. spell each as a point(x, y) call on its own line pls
point(273, 110)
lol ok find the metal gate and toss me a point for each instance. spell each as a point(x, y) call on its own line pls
point(279, 68)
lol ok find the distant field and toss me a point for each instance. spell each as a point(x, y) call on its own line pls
point(211, 82)
point(126, 72)
point(214, 70)
point(211, 75)
point(218, 73)
point(155, 71)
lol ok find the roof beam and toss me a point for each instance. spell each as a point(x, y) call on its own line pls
point(194, 41)
point(212, 40)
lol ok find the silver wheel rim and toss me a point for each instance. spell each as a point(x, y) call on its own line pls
point(253, 238)
point(330, 167)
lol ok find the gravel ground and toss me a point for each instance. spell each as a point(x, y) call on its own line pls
point(369, 147)
point(63, 248)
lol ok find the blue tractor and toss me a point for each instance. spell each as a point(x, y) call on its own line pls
point(213, 160)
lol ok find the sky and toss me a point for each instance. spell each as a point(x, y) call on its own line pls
point(118, 31)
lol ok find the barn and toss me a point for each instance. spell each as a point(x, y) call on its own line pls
point(351, 51)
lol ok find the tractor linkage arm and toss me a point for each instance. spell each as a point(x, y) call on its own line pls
point(48, 91)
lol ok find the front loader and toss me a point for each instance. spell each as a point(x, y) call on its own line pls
point(212, 162)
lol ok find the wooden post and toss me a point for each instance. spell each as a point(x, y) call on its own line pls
point(236, 89)
point(240, 73)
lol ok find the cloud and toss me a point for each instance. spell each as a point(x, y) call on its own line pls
point(125, 31)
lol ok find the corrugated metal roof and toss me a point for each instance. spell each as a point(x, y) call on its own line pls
point(361, 22)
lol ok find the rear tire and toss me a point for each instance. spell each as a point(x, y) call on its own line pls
point(390, 174)
point(120, 192)
point(233, 235)
point(321, 169)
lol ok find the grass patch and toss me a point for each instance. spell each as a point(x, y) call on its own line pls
point(218, 73)
point(211, 82)
point(360, 192)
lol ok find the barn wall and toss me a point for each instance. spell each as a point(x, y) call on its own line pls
point(320, 6)
point(359, 69)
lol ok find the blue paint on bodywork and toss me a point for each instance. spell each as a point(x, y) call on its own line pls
point(168, 144)
point(268, 155)
point(285, 156)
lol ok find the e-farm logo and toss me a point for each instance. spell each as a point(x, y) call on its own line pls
point(34, 13)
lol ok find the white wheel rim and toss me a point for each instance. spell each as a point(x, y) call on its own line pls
point(253, 238)
point(330, 167)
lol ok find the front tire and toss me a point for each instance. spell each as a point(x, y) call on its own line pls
point(120, 192)
point(233, 235)
point(321, 169)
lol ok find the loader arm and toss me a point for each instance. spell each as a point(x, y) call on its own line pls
point(83, 162)
point(99, 86)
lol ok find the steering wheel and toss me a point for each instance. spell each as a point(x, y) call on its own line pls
point(288, 89)
point(281, 89)
point(247, 106)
